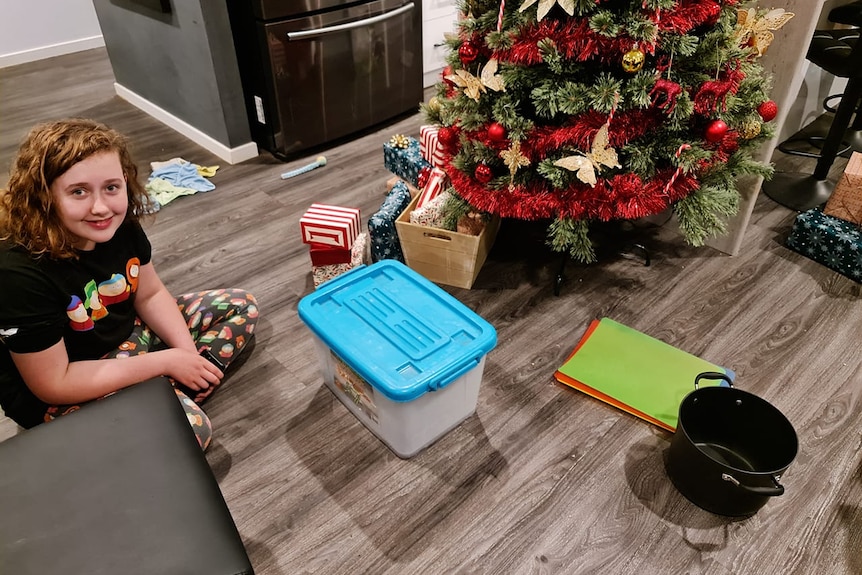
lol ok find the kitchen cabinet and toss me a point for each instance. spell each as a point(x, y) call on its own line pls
point(439, 17)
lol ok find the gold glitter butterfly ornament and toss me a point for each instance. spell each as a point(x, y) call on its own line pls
point(473, 86)
point(587, 163)
point(755, 30)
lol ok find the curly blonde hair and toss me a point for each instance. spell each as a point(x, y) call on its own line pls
point(28, 216)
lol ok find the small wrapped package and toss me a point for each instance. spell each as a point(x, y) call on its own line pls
point(402, 157)
point(321, 274)
point(437, 182)
point(831, 241)
point(430, 146)
point(381, 226)
point(846, 200)
point(432, 214)
point(327, 256)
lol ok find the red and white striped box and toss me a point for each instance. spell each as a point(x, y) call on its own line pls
point(429, 146)
point(330, 226)
point(340, 211)
point(437, 182)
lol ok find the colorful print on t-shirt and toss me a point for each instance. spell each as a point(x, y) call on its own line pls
point(99, 296)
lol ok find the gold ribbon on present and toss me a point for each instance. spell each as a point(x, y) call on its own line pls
point(399, 141)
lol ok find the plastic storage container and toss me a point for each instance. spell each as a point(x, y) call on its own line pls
point(404, 356)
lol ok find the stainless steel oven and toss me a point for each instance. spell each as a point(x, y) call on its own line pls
point(316, 71)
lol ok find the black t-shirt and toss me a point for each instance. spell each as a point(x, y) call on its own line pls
point(88, 302)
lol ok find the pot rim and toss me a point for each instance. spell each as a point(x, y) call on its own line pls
point(751, 473)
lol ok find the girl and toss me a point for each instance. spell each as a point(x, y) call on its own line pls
point(82, 311)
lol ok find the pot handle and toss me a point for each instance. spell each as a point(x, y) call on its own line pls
point(765, 491)
point(713, 375)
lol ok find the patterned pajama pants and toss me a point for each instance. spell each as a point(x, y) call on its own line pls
point(221, 321)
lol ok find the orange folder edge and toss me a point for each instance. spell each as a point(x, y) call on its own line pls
point(571, 382)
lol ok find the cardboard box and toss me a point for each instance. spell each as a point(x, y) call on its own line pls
point(402, 355)
point(846, 200)
point(443, 256)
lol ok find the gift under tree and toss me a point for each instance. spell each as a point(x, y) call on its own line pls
point(582, 111)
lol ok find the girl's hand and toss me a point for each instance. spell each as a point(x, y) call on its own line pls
point(190, 369)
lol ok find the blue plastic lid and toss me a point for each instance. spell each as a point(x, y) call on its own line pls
point(401, 333)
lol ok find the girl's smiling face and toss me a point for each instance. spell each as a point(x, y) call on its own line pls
point(91, 199)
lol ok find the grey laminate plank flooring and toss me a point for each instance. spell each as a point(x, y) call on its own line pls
point(542, 479)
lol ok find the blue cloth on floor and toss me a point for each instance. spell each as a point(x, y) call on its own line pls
point(183, 176)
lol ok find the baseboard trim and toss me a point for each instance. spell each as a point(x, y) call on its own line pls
point(34, 54)
point(229, 155)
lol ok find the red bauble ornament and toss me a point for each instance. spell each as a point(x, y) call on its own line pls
point(496, 132)
point(715, 131)
point(468, 52)
point(447, 135)
point(768, 110)
point(448, 71)
point(483, 173)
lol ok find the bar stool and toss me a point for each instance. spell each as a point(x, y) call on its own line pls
point(852, 140)
point(842, 59)
point(849, 15)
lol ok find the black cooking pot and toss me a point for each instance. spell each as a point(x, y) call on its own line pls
point(730, 449)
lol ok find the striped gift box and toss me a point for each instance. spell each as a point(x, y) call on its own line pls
point(430, 146)
point(437, 182)
point(338, 212)
point(330, 226)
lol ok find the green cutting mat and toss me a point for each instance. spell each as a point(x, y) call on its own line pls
point(637, 370)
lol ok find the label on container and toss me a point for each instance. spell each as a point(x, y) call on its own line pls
point(355, 387)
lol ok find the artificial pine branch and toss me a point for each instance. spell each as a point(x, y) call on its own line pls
point(567, 235)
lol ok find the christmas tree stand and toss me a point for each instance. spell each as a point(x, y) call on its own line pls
point(612, 241)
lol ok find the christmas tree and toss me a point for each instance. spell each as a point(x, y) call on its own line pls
point(583, 111)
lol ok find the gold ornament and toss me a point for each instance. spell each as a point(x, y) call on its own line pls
point(588, 163)
point(751, 129)
point(514, 159)
point(399, 141)
point(434, 104)
point(633, 60)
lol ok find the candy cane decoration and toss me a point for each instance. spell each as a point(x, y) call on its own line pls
point(613, 108)
point(678, 168)
point(320, 161)
point(500, 16)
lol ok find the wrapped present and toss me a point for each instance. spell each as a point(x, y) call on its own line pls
point(321, 274)
point(402, 157)
point(430, 146)
point(350, 214)
point(381, 226)
point(437, 182)
point(431, 214)
point(327, 256)
point(471, 224)
point(390, 183)
point(327, 231)
point(330, 226)
point(828, 240)
point(846, 200)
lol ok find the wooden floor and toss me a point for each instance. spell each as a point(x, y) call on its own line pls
point(543, 479)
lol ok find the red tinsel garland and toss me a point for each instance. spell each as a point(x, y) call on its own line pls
point(623, 196)
point(576, 41)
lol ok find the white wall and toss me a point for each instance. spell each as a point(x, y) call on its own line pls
point(34, 29)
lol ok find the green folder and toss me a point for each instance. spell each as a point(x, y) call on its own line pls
point(634, 372)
